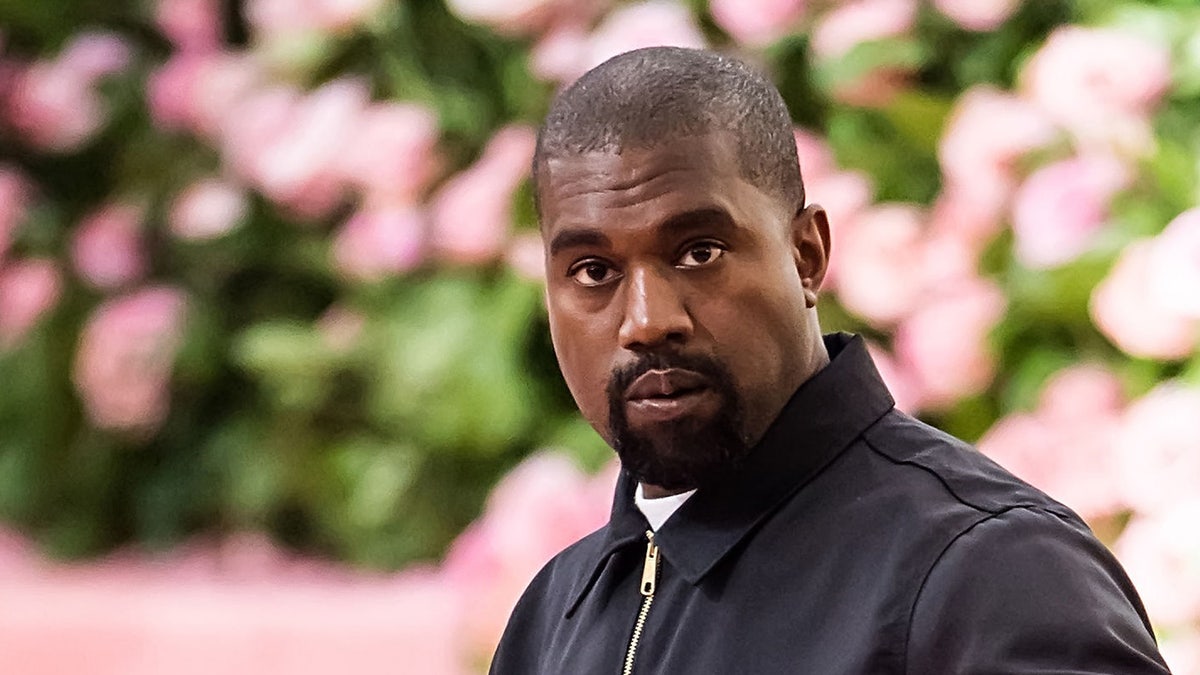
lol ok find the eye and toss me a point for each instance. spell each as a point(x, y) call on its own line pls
point(699, 255)
point(592, 273)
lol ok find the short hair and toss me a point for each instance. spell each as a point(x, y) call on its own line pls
point(650, 96)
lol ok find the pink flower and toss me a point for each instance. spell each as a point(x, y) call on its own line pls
point(1066, 446)
point(854, 22)
point(472, 212)
point(391, 155)
point(1101, 84)
point(979, 164)
point(125, 356)
point(202, 91)
point(1129, 313)
point(276, 20)
point(92, 55)
point(511, 16)
point(649, 23)
point(379, 241)
point(208, 208)
point(1159, 447)
point(526, 257)
point(1161, 554)
point(978, 15)
point(14, 200)
point(904, 388)
point(757, 22)
point(538, 509)
point(560, 54)
point(54, 104)
point(193, 25)
point(874, 256)
point(297, 166)
point(28, 290)
point(1062, 205)
point(1174, 267)
point(341, 327)
point(107, 246)
point(816, 157)
point(944, 342)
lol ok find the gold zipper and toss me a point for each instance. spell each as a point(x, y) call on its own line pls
point(649, 581)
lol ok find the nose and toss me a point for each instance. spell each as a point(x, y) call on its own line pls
point(655, 314)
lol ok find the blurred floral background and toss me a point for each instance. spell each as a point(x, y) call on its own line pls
point(276, 388)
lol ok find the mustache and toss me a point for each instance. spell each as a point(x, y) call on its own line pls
point(623, 376)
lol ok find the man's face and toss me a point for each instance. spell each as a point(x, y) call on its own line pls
point(680, 299)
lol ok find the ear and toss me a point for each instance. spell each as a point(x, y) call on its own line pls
point(810, 249)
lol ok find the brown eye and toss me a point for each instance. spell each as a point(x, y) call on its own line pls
point(700, 255)
point(592, 273)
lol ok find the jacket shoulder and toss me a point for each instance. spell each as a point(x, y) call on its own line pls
point(963, 474)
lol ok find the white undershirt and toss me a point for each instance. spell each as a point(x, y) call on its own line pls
point(658, 510)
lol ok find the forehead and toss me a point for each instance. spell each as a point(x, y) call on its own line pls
point(689, 173)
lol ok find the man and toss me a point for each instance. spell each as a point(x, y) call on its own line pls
point(775, 513)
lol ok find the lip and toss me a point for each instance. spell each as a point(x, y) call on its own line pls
point(665, 384)
point(665, 395)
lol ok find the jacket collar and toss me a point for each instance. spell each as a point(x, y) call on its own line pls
point(822, 418)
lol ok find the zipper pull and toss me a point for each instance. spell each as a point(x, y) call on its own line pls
point(650, 571)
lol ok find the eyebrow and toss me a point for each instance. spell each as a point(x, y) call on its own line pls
point(592, 237)
point(577, 236)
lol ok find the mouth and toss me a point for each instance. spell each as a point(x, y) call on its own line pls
point(665, 395)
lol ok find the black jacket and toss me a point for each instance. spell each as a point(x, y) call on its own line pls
point(855, 539)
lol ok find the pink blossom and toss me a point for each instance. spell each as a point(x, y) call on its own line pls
point(1161, 554)
point(957, 216)
point(845, 195)
point(1174, 266)
point(379, 241)
point(1099, 83)
point(649, 23)
point(526, 257)
point(14, 200)
point(904, 388)
point(1080, 395)
point(107, 249)
point(1066, 446)
point(28, 290)
point(978, 163)
point(1159, 447)
point(559, 55)
point(297, 165)
point(511, 16)
point(978, 15)
point(275, 20)
point(341, 327)
point(208, 208)
point(1062, 205)
point(170, 90)
point(92, 55)
point(125, 356)
point(816, 157)
point(1127, 311)
point(392, 153)
point(258, 123)
point(1181, 650)
point(944, 342)
point(539, 508)
point(472, 212)
point(53, 108)
point(193, 25)
point(854, 22)
point(54, 104)
point(757, 22)
point(874, 257)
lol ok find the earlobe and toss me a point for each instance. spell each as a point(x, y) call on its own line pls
point(810, 248)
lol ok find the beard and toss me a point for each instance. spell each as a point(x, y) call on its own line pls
point(680, 454)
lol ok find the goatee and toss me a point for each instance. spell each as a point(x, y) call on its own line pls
point(686, 453)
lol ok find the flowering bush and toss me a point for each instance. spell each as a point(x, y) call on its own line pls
point(272, 265)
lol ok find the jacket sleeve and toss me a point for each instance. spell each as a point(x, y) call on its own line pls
point(1028, 591)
